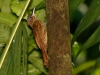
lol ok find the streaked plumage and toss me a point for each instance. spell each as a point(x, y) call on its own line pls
point(40, 34)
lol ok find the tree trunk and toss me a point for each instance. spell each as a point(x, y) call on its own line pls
point(58, 32)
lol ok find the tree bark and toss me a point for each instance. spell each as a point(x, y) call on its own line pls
point(58, 32)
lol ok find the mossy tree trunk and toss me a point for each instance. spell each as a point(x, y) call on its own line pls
point(58, 32)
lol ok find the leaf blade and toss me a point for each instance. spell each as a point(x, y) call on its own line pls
point(93, 39)
point(73, 4)
point(88, 19)
point(12, 35)
point(7, 18)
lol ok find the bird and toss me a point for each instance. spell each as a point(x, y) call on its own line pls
point(40, 34)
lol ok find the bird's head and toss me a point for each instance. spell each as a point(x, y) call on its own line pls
point(31, 18)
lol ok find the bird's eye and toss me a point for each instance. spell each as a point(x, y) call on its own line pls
point(30, 17)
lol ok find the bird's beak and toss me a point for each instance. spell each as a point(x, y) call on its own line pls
point(33, 14)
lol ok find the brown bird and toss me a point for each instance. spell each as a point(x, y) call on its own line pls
point(40, 34)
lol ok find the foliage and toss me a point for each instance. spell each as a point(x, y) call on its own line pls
point(12, 25)
point(84, 38)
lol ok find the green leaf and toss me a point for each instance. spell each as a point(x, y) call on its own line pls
point(40, 5)
point(7, 19)
point(17, 44)
point(5, 51)
point(17, 7)
point(73, 4)
point(34, 3)
point(30, 48)
point(41, 15)
point(96, 68)
point(17, 52)
point(32, 42)
point(88, 18)
point(32, 70)
point(1, 3)
point(38, 63)
point(24, 50)
point(84, 66)
point(93, 39)
point(12, 60)
point(5, 31)
point(35, 53)
point(5, 67)
point(29, 31)
point(6, 6)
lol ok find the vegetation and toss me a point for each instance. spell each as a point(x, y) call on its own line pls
point(18, 48)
